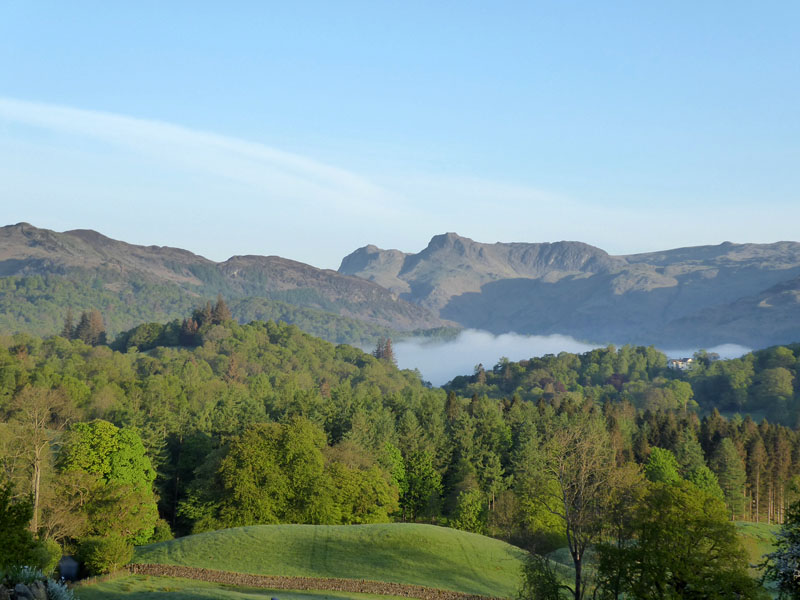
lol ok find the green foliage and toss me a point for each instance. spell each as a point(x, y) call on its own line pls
point(273, 473)
point(17, 546)
point(783, 564)
point(540, 581)
point(91, 329)
point(470, 512)
point(278, 473)
point(391, 459)
point(424, 485)
point(536, 493)
point(122, 501)
point(729, 469)
point(162, 532)
point(39, 305)
point(661, 467)
point(148, 336)
point(705, 479)
point(573, 476)
point(689, 453)
point(683, 546)
point(105, 554)
point(46, 556)
point(261, 423)
point(362, 491)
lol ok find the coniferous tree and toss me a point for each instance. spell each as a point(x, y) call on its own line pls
point(82, 328)
point(781, 471)
point(388, 352)
point(689, 453)
point(189, 333)
point(68, 331)
point(756, 465)
point(203, 315)
point(220, 313)
point(384, 351)
point(91, 329)
point(728, 466)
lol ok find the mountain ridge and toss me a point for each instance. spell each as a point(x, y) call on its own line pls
point(684, 297)
point(116, 265)
point(677, 296)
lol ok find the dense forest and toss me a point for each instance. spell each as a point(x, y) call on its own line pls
point(204, 423)
point(36, 304)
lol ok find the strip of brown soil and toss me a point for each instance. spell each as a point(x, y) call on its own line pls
point(273, 582)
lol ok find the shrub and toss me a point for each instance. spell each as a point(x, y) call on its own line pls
point(161, 532)
point(102, 555)
point(57, 590)
point(17, 545)
point(46, 556)
point(540, 581)
point(21, 574)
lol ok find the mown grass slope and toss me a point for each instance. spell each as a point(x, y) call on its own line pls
point(757, 539)
point(398, 552)
point(141, 587)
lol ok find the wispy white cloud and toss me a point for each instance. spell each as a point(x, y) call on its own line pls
point(281, 173)
point(68, 167)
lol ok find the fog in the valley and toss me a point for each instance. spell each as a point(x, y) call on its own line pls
point(724, 351)
point(439, 362)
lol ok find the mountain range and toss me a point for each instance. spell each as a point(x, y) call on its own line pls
point(91, 270)
point(703, 296)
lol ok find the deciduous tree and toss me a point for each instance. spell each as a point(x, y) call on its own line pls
point(37, 415)
point(574, 478)
point(681, 545)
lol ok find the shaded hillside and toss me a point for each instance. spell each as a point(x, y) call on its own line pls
point(43, 272)
point(703, 296)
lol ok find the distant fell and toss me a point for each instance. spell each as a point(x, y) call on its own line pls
point(699, 296)
point(130, 283)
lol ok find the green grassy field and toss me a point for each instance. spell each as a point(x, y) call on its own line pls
point(166, 588)
point(399, 552)
point(758, 539)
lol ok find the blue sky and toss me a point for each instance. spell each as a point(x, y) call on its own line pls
point(307, 129)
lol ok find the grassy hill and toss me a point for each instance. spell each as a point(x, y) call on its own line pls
point(403, 553)
point(758, 539)
point(400, 552)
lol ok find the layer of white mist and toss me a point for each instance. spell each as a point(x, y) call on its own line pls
point(439, 362)
point(725, 351)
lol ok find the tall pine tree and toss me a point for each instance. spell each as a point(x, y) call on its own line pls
point(728, 466)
